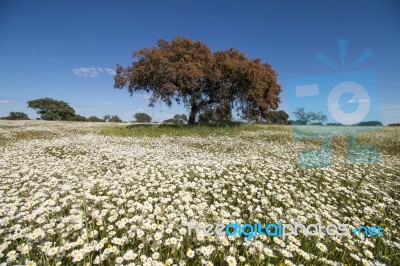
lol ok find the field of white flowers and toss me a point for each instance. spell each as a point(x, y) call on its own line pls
point(82, 193)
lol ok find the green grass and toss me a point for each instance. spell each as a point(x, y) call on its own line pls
point(183, 130)
point(3, 141)
point(386, 140)
point(24, 135)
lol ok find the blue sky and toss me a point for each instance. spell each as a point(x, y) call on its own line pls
point(67, 50)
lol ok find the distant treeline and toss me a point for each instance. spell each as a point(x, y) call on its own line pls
point(54, 110)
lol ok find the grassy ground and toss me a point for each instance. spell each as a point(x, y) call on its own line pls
point(181, 130)
point(385, 139)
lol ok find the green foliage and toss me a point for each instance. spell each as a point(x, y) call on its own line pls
point(277, 117)
point(296, 122)
point(370, 123)
point(142, 118)
point(215, 116)
point(177, 119)
point(18, 133)
point(78, 118)
point(181, 119)
point(16, 116)
point(182, 130)
point(169, 121)
point(94, 119)
point(50, 109)
point(112, 118)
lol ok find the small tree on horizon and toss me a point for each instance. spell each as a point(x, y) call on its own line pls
point(16, 116)
point(181, 119)
point(142, 118)
point(79, 118)
point(112, 118)
point(369, 123)
point(94, 119)
point(177, 119)
point(305, 118)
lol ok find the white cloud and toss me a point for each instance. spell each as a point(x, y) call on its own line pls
point(110, 71)
point(386, 109)
point(5, 101)
point(13, 101)
point(87, 71)
point(390, 106)
point(140, 110)
point(92, 71)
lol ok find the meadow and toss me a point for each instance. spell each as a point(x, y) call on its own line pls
point(76, 193)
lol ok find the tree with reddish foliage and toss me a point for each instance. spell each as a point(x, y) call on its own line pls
point(207, 83)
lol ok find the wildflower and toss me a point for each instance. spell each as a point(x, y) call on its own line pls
point(321, 247)
point(369, 254)
point(129, 255)
point(169, 261)
point(231, 261)
point(119, 260)
point(286, 253)
point(155, 255)
point(190, 253)
point(268, 252)
point(30, 263)
point(12, 255)
point(355, 256)
point(52, 251)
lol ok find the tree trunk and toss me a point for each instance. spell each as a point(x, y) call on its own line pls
point(192, 116)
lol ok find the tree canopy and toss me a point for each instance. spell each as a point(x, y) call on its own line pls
point(50, 109)
point(79, 118)
point(187, 71)
point(142, 118)
point(112, 118)
point(94, 119)
point(370, 123)
point(278, 117)
point(16, 116)
point(305, 118)
point(177, 119)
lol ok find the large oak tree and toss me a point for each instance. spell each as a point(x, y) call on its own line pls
point(187, 71)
